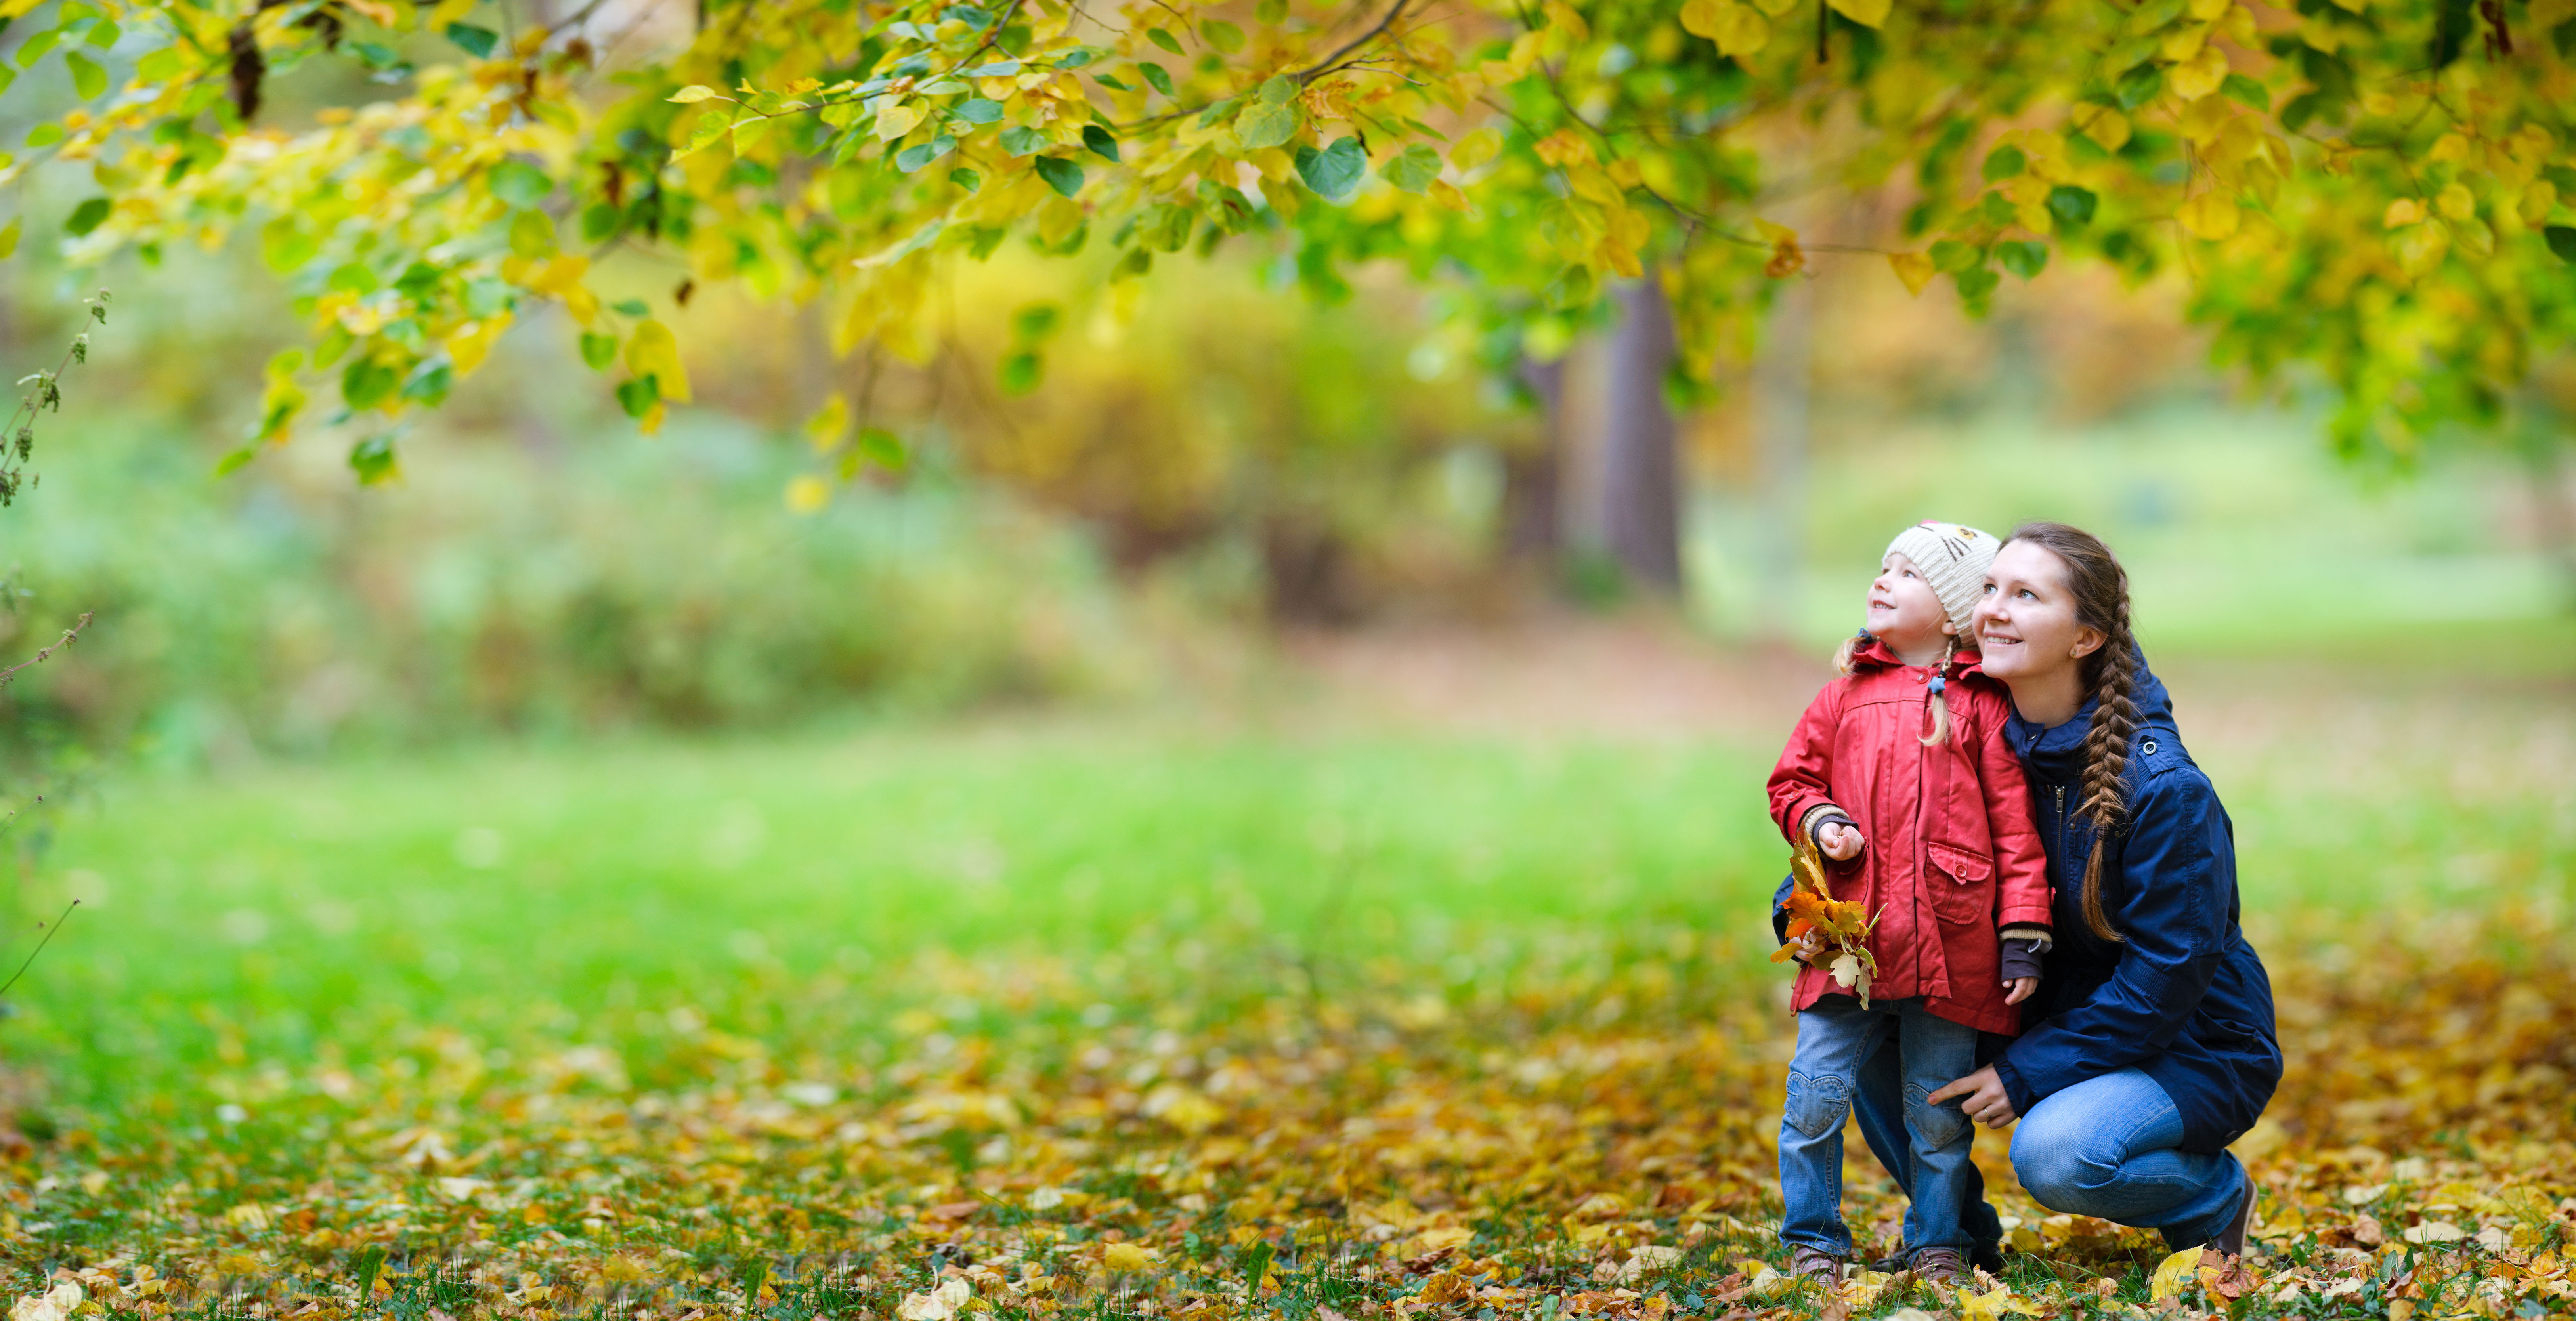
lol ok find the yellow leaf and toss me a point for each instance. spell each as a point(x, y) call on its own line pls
point(2401, 213)
point(1475, 149)
point(1914, 268)
point(2184, 43)
point(472, 342)
point(1699, 17)
point(2173, 1274)
point(1446, 194)
point(807, 494)
point(651, 351)
point(692, 94)
point(1127, 1257)
point(2208, 11)
point(1562, 15)
point(896, 120)
point(2210, 216)
point(1867, 13)
point(829, 424)
point(1740, 31)
point(651, 423)
point(2456, 202)
point(9, 237)
point(2108, 128)
point(2200, 75)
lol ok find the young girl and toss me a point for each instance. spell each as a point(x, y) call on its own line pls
point(1900, 775)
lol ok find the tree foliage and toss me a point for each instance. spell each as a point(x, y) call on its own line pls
point(2362, 192)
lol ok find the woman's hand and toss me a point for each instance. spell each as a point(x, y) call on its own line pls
point(2022, 989)
point(1985, 1099)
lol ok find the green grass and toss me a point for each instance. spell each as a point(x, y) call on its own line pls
point(789, 889)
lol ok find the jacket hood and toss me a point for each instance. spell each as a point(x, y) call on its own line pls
point(2056, 752)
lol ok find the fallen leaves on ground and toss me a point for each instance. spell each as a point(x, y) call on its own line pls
point(1558, 1154)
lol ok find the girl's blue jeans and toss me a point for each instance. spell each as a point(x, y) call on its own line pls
point(2107, 1147)
point(1836, 1041)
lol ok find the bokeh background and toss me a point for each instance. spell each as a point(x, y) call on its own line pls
point(1208, 645)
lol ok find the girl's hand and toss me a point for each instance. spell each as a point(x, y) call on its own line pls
point(2022, 989)
point(1809, 946)
point(1984, 1099)
point(1839, 842)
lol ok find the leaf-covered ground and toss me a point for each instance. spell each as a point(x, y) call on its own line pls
point(1600, 1147)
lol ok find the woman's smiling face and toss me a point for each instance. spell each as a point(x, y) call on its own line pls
point(2026, 623)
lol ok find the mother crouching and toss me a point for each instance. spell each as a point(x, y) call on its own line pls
point(2151, 1045)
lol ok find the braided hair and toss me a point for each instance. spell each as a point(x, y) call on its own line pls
point(2110, 675)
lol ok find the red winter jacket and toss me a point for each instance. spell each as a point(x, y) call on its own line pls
point(1952, 857)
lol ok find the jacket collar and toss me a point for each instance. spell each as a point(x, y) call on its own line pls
point(1875, 653)
point(2056, 752)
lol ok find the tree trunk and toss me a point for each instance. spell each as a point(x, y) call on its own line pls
point(1782, 378)
point(1533, 478)
point(1640, 472)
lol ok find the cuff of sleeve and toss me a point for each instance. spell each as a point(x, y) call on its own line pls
point(2041, 941)
point(2015, 1089)
point(2018, 958)
point(2030, 915)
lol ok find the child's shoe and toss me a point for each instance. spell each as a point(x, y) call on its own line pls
point(1942, 1266)
point(1806, 1263)
point(1987, 1257)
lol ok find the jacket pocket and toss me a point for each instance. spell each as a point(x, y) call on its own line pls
point(1962, 883)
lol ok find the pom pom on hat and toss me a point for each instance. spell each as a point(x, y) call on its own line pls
point(1953, 558)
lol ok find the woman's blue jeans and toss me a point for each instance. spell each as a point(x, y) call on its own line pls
point(1837, 1042)
point(2107, 1147)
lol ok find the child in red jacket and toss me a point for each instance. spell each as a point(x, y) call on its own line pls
point(1900, 775)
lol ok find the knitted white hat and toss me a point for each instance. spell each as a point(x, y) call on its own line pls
point(1953, 558)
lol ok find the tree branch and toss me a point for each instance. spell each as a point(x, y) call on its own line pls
point(70, 636)
point(1325, 65)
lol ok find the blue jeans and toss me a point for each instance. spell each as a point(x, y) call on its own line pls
point(1836, 1040)
point(2107, 1147)
point(1878, 1103)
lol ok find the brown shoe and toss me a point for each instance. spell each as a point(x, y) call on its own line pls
point(1806, 1263)
point(1947, 1267)
point(2231, 1240)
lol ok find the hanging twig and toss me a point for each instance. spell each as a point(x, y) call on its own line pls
point(40, 946)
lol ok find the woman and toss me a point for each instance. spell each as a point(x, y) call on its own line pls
point(2150, 1046)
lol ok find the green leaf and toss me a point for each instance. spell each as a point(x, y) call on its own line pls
point(160, 66)
point(912, 158)
point(1279, 90)
point(630, 307)
point(474, 41)
point(997, 69)
point(692, 94)
point(2139, 86)
point(104, 33)
point(2246, 92)
point(236, 461)
point(1099, 142)
point(1021, 372)
point(967, 179)
point(1035, 322)
point(9, 237)
point(1061, 175)
point(2562, 240)
point(373, 460)
point(365, 383)
point(1111, 82)
point(37, 45)
point(45, 134)
point(532, 235)
point(598, 350)
point(638, 396)
point(1224, 36)
point(520, 185)
point(1163, 37)
point(1977, 284)
point(1269, 11)
point(2022, 257)
point(2004, 163)
point(2072, 206)
point(1023, 141)
point(1264, 124)
point(1413, 168)
point(1154, 76)
point(88, 80)
point(883, 448)
point(1335, 172)
point(88, 215)
point(979, 111)
point(1953, 256)
point(429, 384)
point(600, 222)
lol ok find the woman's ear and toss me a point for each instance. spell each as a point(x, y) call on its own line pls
point(2087, 641)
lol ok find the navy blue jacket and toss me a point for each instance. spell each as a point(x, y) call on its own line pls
point(2183, 997)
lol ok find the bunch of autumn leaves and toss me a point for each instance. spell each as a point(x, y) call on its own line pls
point(1840, 928)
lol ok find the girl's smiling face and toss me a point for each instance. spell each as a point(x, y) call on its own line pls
point(1904, 611)
point(2026, 623)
